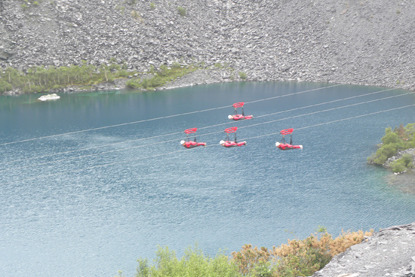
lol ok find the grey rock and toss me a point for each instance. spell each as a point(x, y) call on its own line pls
point(350, 42)
point(389, 252)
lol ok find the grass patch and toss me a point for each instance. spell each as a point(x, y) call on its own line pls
point(160, 77)
point(243, 75)
point(41, 79)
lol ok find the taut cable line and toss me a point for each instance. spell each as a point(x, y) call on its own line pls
point(183, 150)
point(326, 110)
point(337, 120)
point(248, 126)
point(200, 128)
point(159, 118)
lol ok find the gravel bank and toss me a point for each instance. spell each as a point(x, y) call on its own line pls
point(350, 42)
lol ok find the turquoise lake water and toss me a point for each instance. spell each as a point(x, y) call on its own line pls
point(94, 181)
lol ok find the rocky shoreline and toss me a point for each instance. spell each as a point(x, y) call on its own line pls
point(410, 151)
point(389, 252)
point(366, 42)
point(404, 181)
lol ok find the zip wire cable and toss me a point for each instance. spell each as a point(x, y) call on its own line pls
point(158, 118)
point(182, 150)
point(324, 103)
point(248, 126)
point(201, 128)
point(95, 154)
point(326, 110)
point(337, 120)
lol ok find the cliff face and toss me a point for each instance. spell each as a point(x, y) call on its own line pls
point(345, 41)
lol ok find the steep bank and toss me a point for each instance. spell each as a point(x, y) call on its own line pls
point(359, 42)
point(389, 252)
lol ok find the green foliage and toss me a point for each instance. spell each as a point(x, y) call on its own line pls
point(390, 137)
point(321, 229)
point(182, 11)
point(400, 138)
point(152, 5)
point(160, 77)
point(40, 78)
point(242, 75)
point(193, 263)
point(5, 86)
point(298, 257)
point(28, 3)
point(250, 257)
point(304, 260)
point(402, 164)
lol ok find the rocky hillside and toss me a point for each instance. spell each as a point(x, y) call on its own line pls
point(343, 41)
point(389, 252)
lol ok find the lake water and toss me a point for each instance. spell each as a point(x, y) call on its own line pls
point(94, 181)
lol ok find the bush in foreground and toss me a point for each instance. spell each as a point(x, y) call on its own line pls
point(193, 263)
point(296, 258)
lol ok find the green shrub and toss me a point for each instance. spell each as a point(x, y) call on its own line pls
point(242, 75)
point(193, 263)
point(298, 257)
point(400, 138)
point(402, 164)
point(182, 11)
point(5, 86)
point(390, 137)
